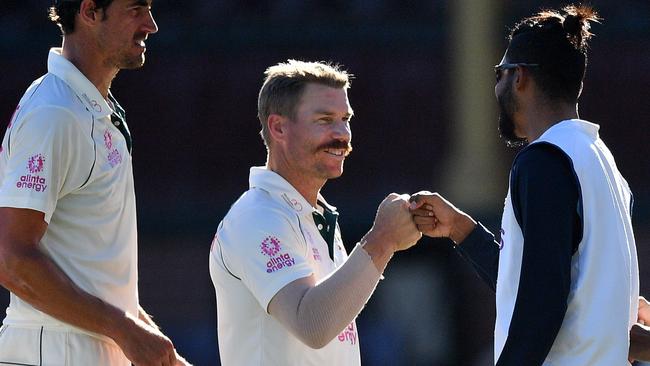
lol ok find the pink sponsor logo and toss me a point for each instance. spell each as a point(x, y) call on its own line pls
point(108, 140)
point(270, 247)
point(114, 156)
point(349, 334)
point(292, 202)
point(317, 256)
point(35, 164)
point(32, 181)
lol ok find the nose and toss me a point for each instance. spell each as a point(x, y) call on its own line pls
point(150, 24)
point(342, 131)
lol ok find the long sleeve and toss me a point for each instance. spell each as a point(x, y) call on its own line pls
point(482, 251)
point(546, 199)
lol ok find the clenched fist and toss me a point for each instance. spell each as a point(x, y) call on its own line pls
point(438, 218)
point(394, 225)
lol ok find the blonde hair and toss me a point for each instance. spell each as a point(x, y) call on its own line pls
point(284, 84)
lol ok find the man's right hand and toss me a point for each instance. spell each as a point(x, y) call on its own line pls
point(144, 345)
point(394, 225)
point(436, 217)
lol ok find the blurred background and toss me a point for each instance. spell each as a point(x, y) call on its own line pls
point(425, 118)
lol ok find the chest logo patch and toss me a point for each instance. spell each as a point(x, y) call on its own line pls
point(114, 157)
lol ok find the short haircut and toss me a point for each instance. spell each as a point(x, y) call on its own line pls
point(63, 12)
point(557, 42)
point(285, 83)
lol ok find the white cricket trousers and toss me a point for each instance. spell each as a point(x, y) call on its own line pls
point(43, 346)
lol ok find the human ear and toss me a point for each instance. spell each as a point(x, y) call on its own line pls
point(276, 125)
point(88, 12)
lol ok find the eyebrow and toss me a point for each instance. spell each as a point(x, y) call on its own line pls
point(141, 3)
point(329, 113)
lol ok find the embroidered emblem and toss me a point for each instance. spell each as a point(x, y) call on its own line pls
point(270, 246)
point(292, 202)
point(32, 181)
point(35, 164)
point(316, 254)
point(114, 156)
point(108, 140)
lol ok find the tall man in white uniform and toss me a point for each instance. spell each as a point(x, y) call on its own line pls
point(287, 291)
point(565, 270)
point(68, 240)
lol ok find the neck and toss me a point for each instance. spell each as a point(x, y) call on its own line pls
point(308, 187)
point(82, 53)
point(544, 116)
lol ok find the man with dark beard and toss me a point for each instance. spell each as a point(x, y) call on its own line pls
point(565, 269)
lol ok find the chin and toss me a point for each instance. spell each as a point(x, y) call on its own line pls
point(130, 63)
point(333, 174)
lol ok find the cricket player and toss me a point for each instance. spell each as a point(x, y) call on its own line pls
point(287, 291)
point(565, 270)
point(68, 240)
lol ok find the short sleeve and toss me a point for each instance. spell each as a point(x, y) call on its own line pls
point(265, 250)
point(38, 159)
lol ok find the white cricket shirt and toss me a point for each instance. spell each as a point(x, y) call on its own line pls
point(61, 155)
point(267, 240)
point(603, 299)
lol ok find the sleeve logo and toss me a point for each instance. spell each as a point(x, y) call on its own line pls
point(33, 181)
point(271, 248)
point(35, 164)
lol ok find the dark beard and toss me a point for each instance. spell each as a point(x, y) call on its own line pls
point(507, 107)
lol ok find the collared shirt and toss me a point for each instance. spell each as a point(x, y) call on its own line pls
point(63, 156)
point(267, 240)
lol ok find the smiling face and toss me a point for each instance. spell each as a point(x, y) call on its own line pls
point(121, 34)
point(319, 135)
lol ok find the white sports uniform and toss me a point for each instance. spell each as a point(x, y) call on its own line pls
point(603, 298)
point(267, 240)
point(63, 156)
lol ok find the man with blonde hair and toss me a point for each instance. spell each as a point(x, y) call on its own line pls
point(287, 291)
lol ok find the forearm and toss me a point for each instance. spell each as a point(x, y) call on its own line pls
point(640, 342)
point(319, 313)
point(36, 279)
point(145, 317)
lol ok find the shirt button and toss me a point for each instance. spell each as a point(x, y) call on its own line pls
point(116, 123)
point(320, 226)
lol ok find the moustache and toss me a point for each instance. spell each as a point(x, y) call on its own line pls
point(337, 144)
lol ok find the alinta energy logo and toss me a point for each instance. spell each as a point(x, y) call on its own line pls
point(271, 248)
point(33, 181)
point(114, 157)
point(349, 334)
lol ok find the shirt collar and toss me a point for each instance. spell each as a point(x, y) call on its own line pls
point(589, 128)
point(283, 192)
point(77, 81)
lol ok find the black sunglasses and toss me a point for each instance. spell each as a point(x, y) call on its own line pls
point(498, 69)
